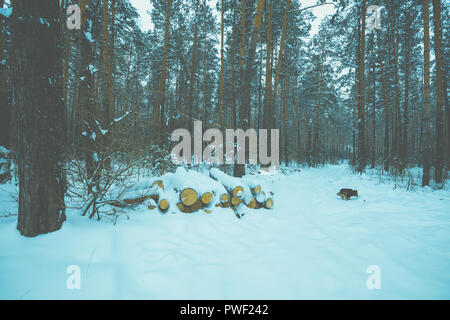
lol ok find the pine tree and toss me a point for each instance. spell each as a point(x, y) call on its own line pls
point(36, 36)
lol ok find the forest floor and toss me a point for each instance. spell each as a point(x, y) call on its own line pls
point(311, 245)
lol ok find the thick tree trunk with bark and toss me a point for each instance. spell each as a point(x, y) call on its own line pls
point(440, 149)
point(386, 110)
point(193, 69)
point(159, 116)
point(361, 93)
point(5, 111)
point(268, 92)
point(427, 149)
point(222, 61)
point(247, 72)
point(40, 115)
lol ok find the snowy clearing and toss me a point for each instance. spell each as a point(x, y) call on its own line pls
point(312, 245)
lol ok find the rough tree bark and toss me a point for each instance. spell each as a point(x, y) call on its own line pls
point(158, 120)
point(222, 39)
point(40, 115)
point(248, 73)
point(268, 92)
point(5, 111)
point(193, 69)
point(440, 149)
point(361, 94)
point(427, 149)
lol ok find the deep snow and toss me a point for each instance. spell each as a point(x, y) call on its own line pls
point(312, 245)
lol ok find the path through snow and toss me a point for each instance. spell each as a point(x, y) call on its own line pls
point(312, 245)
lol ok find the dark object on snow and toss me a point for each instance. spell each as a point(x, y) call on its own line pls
point(346, 194)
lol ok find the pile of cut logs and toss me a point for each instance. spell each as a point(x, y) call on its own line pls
point(192, 191)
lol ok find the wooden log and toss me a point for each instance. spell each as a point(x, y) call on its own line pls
point(236, 187)
point(252, 204)
point(163, 205)
point(231, 184)
point(207, 198)
point(238, 192)
point(224, 198)
point(152, 204)
point(269, 203)
point(158, 183)
point(189, 197)
point(261, 198)
point(206, 190)
point(183, 208)
point(235, 201)
point(197, 206)
point(260, 191)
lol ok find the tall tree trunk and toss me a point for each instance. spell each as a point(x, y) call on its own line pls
point(268, 92)
point(111, 61)
point(286, 106)
point(239, 169)
point(361, 93)
point(233, 69)
point(5, 109)
point(427, 149)
point(105, 62)
point(159, 116)
point(40, 116)
point(222, 39)
point(447, 111)
point(398, 130)
point(248, 73)
point(280, 54)
point(193, 69)
point(373, 116)
point(405, 147)
point(440, 149)
point(386, 109)
point(317, 110)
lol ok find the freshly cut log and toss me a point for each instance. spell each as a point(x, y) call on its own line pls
point(207, 189)
point(238, 192)
point(224, 198)
point(235, 201)
point(269, 203)
point(236, 187)
point(152, 204)
point(257, 189)
point(223, 205)
point(159, 196)
point(207, 198)
point(163, 205)
point(230, 183)
point(183, 179)
point(197, 206)
point(252, 204)
point(261, 197)
point(133, 201)
point(183, 208)
point(188, 197)
point(158, 183)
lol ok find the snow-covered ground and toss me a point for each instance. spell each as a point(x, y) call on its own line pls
point(312, 245)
